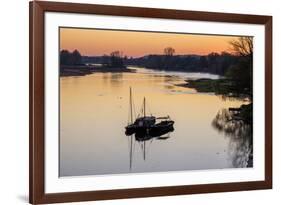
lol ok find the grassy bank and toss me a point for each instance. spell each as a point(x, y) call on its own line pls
point(228, 89)
point(209, 85)
point(224, 87)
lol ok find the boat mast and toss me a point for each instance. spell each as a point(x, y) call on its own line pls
point(131, 108)
point(131, 112)
point(144, 107)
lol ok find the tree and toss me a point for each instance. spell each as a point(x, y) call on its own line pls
point(76, 57)
point(169, 51)
point(116, 59)
point(242, 72)
point(68, 58)
point(213, 61)
point(64, 57)
point(243, 46)
point(116, 54)
point(226, 60)
point(203, 63)
point(105, 60)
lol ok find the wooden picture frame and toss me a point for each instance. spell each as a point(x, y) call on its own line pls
point(37, 10)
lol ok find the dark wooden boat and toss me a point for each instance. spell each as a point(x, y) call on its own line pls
point(141, 123)
point(162, 127)
point(146, 126)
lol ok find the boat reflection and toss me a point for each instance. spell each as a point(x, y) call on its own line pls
point(143, 138)
point(146, 127)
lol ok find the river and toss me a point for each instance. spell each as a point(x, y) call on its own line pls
point(94, 110)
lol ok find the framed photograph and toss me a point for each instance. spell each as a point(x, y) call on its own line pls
point(139, 102)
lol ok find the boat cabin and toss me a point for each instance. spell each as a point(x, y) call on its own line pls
point(146, 121)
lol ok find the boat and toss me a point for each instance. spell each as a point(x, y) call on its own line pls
point(145, 128)
point(162, 127)
point(146, 125)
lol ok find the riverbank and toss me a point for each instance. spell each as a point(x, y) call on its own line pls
point(208, 85)
point(227, 89)
point(82, 70)
point(224, 87)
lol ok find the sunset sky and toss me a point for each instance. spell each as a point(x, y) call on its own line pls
point(94, 42)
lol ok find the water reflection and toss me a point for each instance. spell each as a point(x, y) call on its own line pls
point(116, 77)
point(94, 112)
point(144, 138)
point(240, 138)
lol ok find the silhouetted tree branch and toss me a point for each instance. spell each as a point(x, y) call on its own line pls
point(169, 51)
point(243, 46)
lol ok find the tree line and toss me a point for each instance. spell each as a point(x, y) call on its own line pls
point(70, 58)
point(212, 63)
point(236, 65)
point(115, 59)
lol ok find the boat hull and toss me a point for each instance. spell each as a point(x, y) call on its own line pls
point(154, 131)
point(161, 128)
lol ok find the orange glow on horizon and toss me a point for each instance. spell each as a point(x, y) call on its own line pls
point(94, 42)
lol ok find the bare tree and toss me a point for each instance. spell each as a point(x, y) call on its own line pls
point(117, 54)
point(243, 46)
point(169, 51)
point(242, 72)
point(116, 59)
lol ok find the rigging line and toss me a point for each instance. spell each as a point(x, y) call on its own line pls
point(129, 111)
point(149, 108)
point(141, 110)
point(134, 108)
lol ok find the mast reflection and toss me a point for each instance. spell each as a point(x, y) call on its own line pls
point(143, 137)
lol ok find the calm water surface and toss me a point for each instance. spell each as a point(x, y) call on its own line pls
point(94, 110)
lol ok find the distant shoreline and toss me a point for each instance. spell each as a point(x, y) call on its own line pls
point(82, 70)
